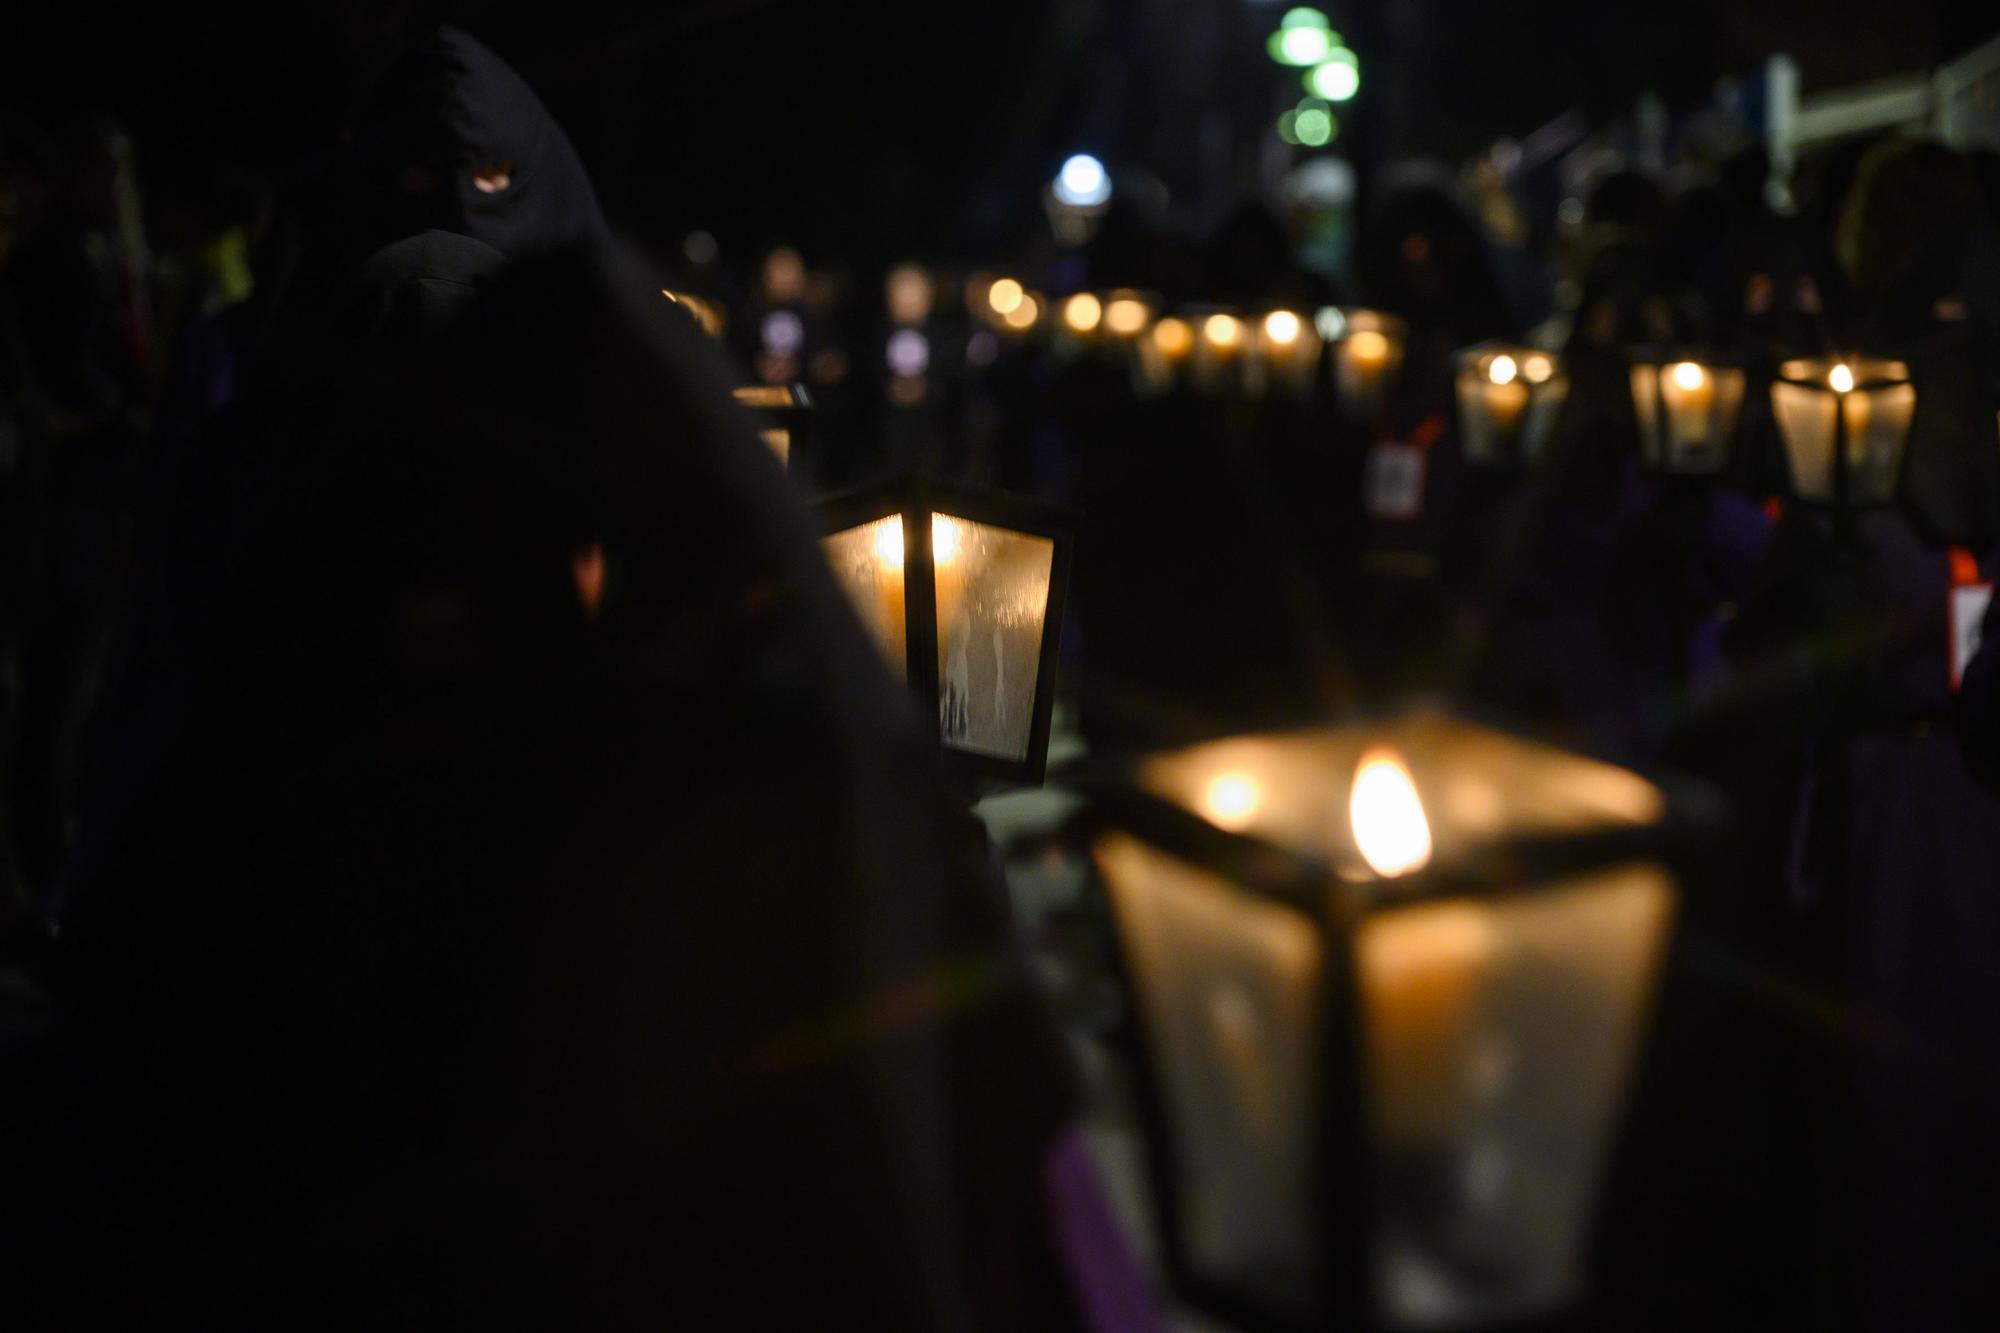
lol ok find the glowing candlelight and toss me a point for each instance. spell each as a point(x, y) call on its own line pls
point(1387, 816)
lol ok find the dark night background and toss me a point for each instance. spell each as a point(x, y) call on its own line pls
point(870, 131)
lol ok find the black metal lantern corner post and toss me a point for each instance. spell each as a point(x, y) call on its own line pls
point(784, 415)
point(965, 592)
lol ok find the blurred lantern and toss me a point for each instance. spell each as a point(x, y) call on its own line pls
point(784, 411)
point(909, 292)
point(1166, 350)
point(1391, 982)
point(1082, 313)
point(1222, 347)
point(964, 593)
point(702, 311)
point(1287, 352)
point(1508, 399)
point(999, 299)
point(1845, 424)
point(1687, 410)
point(1127, 314)
point(784, 276)
point(1367, 354)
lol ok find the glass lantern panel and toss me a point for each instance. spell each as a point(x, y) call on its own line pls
point(1510, 422)
point(993, 602)
point(1228, 989)
point(1805, 420)
point(1499, 1036)
point(1877, 427)
point(867, 562)
point(1700, 417)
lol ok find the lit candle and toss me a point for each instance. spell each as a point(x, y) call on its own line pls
point(1506, 398)
point(1688, 392)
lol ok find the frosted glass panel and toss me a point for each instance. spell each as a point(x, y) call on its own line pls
point(993, 596)
point(867, 562)
point(1878, 426)
point(1228, 992)
point(1499, 1037)
point(1702, 406)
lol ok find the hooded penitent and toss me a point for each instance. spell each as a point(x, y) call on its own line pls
point(551, 915)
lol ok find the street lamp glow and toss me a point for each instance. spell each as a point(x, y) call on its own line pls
point(1314, 127)
point(1687, 376)
point(1231, 800)
point(1502, 370)
point(1538, 368)
point(1303, 16)
point(1083, 182)
point(1841, 379)
point(1223, 330)
point(1334, 79)
point(1299, 46)
point(1281, 327)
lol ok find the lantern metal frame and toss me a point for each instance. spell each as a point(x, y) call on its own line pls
point(781, 407)
point(1344, 1189)
point(1659, 362)
point(1841, 501)
point(915, 501)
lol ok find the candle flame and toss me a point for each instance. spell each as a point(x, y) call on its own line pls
point(1387, 816)
point(1687, 376)
point(1082, 312)
point(1222, 330)
point(947, 538)
point(1538, 368)
point(1281, 327)
point(1125, 315)
point(1842, 379)
point(1502, 370)
point(889, 543)
point(1173, 337)
point(1231, 800)
point(1004, 296)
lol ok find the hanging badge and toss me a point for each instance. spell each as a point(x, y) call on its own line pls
point(1394, 477)
point(1970, 596)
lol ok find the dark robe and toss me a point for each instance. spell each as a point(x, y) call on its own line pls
point(484, 960)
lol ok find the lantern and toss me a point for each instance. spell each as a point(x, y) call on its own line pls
point(1844, 424)
point(1367, 353)
point(1166, 353)
point(1287, 352)
point(1223, 345)
point(783, 411)
point(964, 594)
point(1508, 399)
point(1391, 983)
point(1687, 409)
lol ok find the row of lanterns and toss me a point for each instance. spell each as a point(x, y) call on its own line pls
point(1844, 422)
